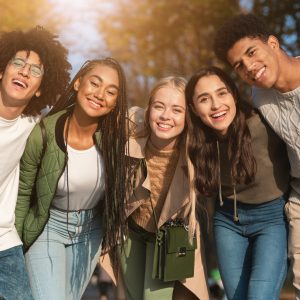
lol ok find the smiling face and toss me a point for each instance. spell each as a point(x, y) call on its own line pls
point(214, 104)
point(18, 85)
point(256, 61)
point(167, 117)
point(97, 91)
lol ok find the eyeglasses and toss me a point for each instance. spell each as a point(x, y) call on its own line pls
point(35, 70)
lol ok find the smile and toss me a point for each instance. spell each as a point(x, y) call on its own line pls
point(164, 126)
point(259, 73)
point(95, 104)
point(20, 83)
point(219, 115)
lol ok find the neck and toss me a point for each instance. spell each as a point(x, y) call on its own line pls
point(161, 144)
point(80, 131)
point(289, 68)
point(9, 112)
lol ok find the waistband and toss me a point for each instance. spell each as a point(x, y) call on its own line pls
point(91, 212)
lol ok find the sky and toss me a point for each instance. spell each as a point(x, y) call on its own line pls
point(80, 34)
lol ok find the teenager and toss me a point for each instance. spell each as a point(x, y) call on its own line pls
point(239, 158)
point(79, 182)
point(160, 183)
point(33, 72)
point(246, 43)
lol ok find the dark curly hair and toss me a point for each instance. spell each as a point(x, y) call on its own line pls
point(53, 57)
point(202, 147)
point(114, 129)
point(240, 26)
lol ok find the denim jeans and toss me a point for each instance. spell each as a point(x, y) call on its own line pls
point(61, 261)
point(14, 284)
point(252, 252)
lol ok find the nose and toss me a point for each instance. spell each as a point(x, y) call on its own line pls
point(99, 93)
point(165, 114)
point(249, 65)
point(215, 103)
point(25, 70)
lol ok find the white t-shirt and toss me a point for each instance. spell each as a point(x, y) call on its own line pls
point(85, 178)
point(13, 136)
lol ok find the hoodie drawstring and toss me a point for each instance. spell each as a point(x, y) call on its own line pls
point(219, 175)
point(235, 214)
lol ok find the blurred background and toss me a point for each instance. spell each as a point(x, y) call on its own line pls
point(151, 39)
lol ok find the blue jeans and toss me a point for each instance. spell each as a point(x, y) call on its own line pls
point(14, 284)
point(61, 261)
point(252, 252)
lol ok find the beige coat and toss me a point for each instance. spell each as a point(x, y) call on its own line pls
point(177, 204)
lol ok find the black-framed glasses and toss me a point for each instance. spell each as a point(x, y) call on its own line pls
point(20, 63)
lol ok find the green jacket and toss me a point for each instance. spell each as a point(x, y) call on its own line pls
point(32, 216)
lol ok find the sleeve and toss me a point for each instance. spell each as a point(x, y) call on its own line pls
point(29, 165)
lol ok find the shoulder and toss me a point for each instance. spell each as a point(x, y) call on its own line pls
point(261, 97)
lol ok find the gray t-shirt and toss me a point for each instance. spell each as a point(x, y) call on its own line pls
point(85, 178)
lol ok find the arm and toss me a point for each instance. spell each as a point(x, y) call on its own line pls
point(29, 166)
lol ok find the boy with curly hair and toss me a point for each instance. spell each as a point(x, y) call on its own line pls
point(33, 71)
point(246, 43)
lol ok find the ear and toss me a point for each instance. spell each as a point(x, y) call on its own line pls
point(38, 93)
point(273, 42)
point(1, 74)
point(76, 84)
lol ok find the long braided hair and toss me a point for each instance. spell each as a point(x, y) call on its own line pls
point(113, 130)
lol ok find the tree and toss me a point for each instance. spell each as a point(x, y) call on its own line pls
point(283, 18)
point(156, 38)
point(25, 14)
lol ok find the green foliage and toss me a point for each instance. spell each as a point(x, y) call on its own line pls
point(25, 14)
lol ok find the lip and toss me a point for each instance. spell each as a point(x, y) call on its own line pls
point(94, 104)
point(163, 126)
point(259, 74)
point(20, 83)
point(219, 116)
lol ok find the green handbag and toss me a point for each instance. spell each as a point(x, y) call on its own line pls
point(174, 255)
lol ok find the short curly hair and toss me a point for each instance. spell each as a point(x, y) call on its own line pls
point(53, 56)
point(236, 28)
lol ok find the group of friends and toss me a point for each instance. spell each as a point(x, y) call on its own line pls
point(87, 180)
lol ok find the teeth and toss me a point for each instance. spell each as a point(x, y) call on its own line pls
point(222, 113)
point(20, 83)
point(164, 125)
point(259, 73)
point(95, 104)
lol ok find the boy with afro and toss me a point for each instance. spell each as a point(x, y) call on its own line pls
point(34, 71)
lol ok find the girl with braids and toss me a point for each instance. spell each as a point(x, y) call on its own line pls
point(239, 158)
point(79, 182)
point(159, 182)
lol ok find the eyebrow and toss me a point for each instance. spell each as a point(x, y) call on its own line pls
point(160, 102)
point(246, 52)
point(217, 90)
point(101, 80)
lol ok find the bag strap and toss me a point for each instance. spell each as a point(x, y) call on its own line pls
point(44, 138)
